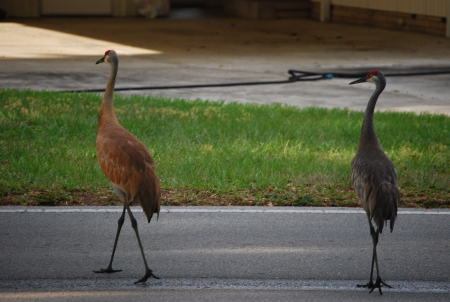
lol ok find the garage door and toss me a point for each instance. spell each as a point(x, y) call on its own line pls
point(76, 7)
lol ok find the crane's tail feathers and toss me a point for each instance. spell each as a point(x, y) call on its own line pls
point(387, 204)
point(149, 195)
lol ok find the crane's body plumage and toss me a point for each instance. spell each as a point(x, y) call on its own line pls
point(375, 182)
point(127, 164)
point(374, 177)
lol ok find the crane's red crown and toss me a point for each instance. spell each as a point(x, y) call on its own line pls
point(107, 52)
point(373, 73)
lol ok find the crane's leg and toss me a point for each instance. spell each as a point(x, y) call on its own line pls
point(109, 269)
point(378, 283)
point(374, 239)
point(148, 271)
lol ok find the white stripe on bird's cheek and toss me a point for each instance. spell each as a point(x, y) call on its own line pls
point(372, 79)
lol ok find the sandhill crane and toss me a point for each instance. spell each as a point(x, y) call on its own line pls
point(127, 163)
point(374, 177)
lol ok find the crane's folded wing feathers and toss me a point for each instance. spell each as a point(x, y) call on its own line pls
point(375, 183)
point(128, 165)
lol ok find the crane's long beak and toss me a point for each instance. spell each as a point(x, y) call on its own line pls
point(361, 80)
point(102, 60)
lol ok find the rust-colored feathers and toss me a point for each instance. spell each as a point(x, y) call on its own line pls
point(124, 159)
point(129, 166)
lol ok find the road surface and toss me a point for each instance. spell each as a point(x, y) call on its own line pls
point(220, 253)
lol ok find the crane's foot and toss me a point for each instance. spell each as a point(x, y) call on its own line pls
point(372, 286)
point(148, 274)
point(108, 270)
point(378, 284)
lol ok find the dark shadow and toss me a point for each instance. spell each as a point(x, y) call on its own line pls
point(197, 13)
point(194, 31)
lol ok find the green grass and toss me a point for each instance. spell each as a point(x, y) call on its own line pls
point(249, 153)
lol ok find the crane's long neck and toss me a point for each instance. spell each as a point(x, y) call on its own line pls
point(107, 113)
point(368, 136)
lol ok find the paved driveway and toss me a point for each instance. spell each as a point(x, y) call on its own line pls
point(59, 53)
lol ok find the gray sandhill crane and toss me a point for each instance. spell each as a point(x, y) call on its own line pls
point(374, 177)
point(127, 163)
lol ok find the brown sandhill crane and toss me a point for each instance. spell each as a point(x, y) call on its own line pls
point(374, 177)
point(127, 163)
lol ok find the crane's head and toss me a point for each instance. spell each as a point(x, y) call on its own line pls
point(375, 76)
point(107, 57)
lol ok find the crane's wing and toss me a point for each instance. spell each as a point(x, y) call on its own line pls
point(375, 182)
point(128, 165)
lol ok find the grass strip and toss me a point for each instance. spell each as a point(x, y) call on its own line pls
point(213, 153)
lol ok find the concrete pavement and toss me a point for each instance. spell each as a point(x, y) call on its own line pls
point(59, 54)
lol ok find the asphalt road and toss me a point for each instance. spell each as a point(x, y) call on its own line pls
point(225, 254)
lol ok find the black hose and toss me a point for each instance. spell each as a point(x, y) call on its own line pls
point(295, 76)
point(351, 75)
point(187, 86)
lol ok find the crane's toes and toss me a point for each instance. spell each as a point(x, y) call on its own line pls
point(107, 270)
point(368, 284)
point(378, 284)
point(148, 274)
point(383, 283)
